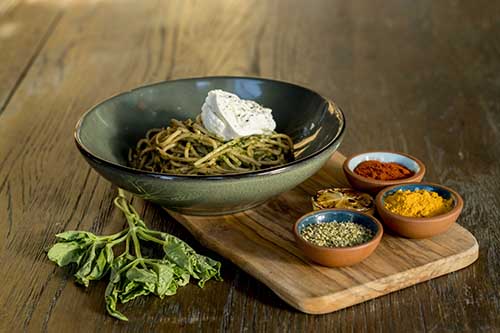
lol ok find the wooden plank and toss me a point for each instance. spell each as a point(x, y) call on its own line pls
point(260, 241)
point(24, 29)
point(418, 77)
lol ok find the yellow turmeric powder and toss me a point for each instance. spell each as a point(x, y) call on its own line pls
point(419, 203)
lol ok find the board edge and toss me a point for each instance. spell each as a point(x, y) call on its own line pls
point(348, 297)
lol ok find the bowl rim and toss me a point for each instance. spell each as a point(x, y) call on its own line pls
point(268, 171)
point(419, 173)
point(375, 239)
point(458, 206)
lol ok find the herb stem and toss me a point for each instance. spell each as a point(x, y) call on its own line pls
point(127, 245)
point(121, 193)
point(150, 238)
point(131, 264)
point(117, 235)
point(121, 239)
point(137, 245)
point(155, 232)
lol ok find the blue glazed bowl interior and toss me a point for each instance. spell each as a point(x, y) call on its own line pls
point(338, 216)
point(415, 187)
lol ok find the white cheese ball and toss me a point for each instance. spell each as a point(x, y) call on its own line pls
point(227, 116)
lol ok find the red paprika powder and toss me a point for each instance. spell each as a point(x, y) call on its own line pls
point(383, 170)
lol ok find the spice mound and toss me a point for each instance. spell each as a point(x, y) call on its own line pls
point(419, 203)
point(336, 234)
point(343, 198)
point(382, 170)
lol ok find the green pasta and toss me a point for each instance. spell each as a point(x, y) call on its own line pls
point(187, 148)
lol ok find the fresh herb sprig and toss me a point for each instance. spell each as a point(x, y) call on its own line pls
point(132, 274)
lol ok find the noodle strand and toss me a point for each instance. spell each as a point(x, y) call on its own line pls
point(186, 147)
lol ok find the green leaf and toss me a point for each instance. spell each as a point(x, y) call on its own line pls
point(198, 266)
point(171, 289)
point(129, 286)
point(166, 284)
point(141, 275)
point(178, 252)
point(69, 236)
point(86, 266)
point(142, 279)
point(206, 268)
point(113, 289)
point(111, 299)
point(99, 266)
point(116, 266)
point(133, 290)
point(182, 276)
point(66, 253)
point(108, 251)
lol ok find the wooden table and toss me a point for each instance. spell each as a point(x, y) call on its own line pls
point(415, 76)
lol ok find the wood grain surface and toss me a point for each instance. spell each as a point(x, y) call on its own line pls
point(260, 241)
point(414, 76)
point(24, 30)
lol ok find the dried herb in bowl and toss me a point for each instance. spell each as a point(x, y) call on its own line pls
point(131, 273)
point(336, 234)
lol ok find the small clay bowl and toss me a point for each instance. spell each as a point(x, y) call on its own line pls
point(373, 185)
point(338, 256)
point(419, 227)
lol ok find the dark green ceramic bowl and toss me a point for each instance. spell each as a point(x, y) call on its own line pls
point(106, 132)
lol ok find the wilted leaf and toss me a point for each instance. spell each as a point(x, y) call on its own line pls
point(166, 285)
point(178, 254)
point(111, 299)
point(68, 236)
point(133, 290)
point(206, 269)
point(66, 253)
point(99, 266)
point(86, 266)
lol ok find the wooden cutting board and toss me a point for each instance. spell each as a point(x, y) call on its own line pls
point(260, 241)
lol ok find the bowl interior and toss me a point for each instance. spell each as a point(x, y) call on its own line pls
point(337, 216)
point(384, 157)
point(415, 187)
point(113, 126)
